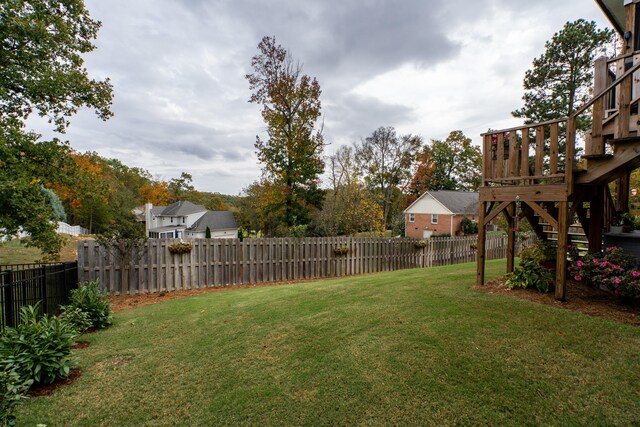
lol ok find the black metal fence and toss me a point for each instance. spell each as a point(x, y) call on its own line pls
point(27, 284)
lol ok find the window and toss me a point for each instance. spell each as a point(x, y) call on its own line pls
point(434, 218)
point(184, 219)
point(172, 220)
point(412, 217)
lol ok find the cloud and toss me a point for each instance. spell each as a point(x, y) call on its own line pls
point(423, 67)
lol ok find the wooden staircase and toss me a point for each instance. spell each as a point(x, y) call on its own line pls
point(531, 172)
point(604, 168)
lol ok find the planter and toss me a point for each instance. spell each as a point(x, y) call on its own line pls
point(180, 248)
point(341, 250)
point(616, 229)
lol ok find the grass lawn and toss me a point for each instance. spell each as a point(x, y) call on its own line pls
point(14, 252)
point(414, 347)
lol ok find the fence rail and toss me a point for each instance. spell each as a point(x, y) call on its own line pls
point(229, 262)
point(28, 284)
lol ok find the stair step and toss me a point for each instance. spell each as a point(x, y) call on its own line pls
point(571, 226)
point(597, 156)
point(626, 140)
point(570, 233)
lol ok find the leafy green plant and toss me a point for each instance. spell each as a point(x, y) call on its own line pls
point(540, 252)
point(13, 391)
point(94, 301)
point(38, 348)
point(530, 274)
point(81, 320)
point(468, 226)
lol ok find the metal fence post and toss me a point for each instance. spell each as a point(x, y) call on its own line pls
point(43, 291)
point(8, 302)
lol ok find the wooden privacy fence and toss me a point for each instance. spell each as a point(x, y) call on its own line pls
point(228, 262)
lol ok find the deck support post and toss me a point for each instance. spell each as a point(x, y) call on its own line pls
point(510, 213)
point(482, 232)
point(561, 260)
point(596, 219)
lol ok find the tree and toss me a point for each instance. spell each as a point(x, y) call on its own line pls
point(424, 169)
point(292, 154)
point(181, 187)
point(386, 159)
point(41, 48)
point(349, 207)
point(456, 164)
point(561, 77)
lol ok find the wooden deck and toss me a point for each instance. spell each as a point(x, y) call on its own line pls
point(532, 172)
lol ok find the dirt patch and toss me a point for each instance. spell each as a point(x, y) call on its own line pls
point(81, 344)
point(47, 389)
point(587, 300)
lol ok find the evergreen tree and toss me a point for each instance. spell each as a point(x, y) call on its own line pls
point(559, 82)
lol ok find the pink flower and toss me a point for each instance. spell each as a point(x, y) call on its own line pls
point(617, 280)
point(579, 263)
point(635, 273)
point(595, 261)
point(577, 278)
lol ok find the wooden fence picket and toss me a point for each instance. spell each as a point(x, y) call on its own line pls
point(229, 262)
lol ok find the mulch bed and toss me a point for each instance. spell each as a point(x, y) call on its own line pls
point(47, 389)
point(582, 298)
point(124, 302)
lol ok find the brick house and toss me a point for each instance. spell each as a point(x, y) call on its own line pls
point(439, 212)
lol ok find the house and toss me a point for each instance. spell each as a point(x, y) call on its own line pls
point(439, 212)
point(184, 219)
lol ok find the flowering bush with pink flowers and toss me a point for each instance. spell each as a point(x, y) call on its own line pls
point(612, 269)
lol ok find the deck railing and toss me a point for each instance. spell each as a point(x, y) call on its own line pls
point(542, 152)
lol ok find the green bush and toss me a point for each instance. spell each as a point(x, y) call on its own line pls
point(94, 301)
point(530, 274)
point(13, 390)
point(469, 227)
point(38, 349)
point(73, 315)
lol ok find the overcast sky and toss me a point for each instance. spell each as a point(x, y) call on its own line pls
point(423, 67)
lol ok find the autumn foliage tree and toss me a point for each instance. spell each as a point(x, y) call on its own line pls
point(292, 153)
point(421, 179)
point(41, 48)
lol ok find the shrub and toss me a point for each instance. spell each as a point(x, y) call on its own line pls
point(530, 274)
point(38, 349)
point(80, 320)
point(93, 301)
point(613, 270)
point(13, 390)
point(468, 226)
point(540, 252)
